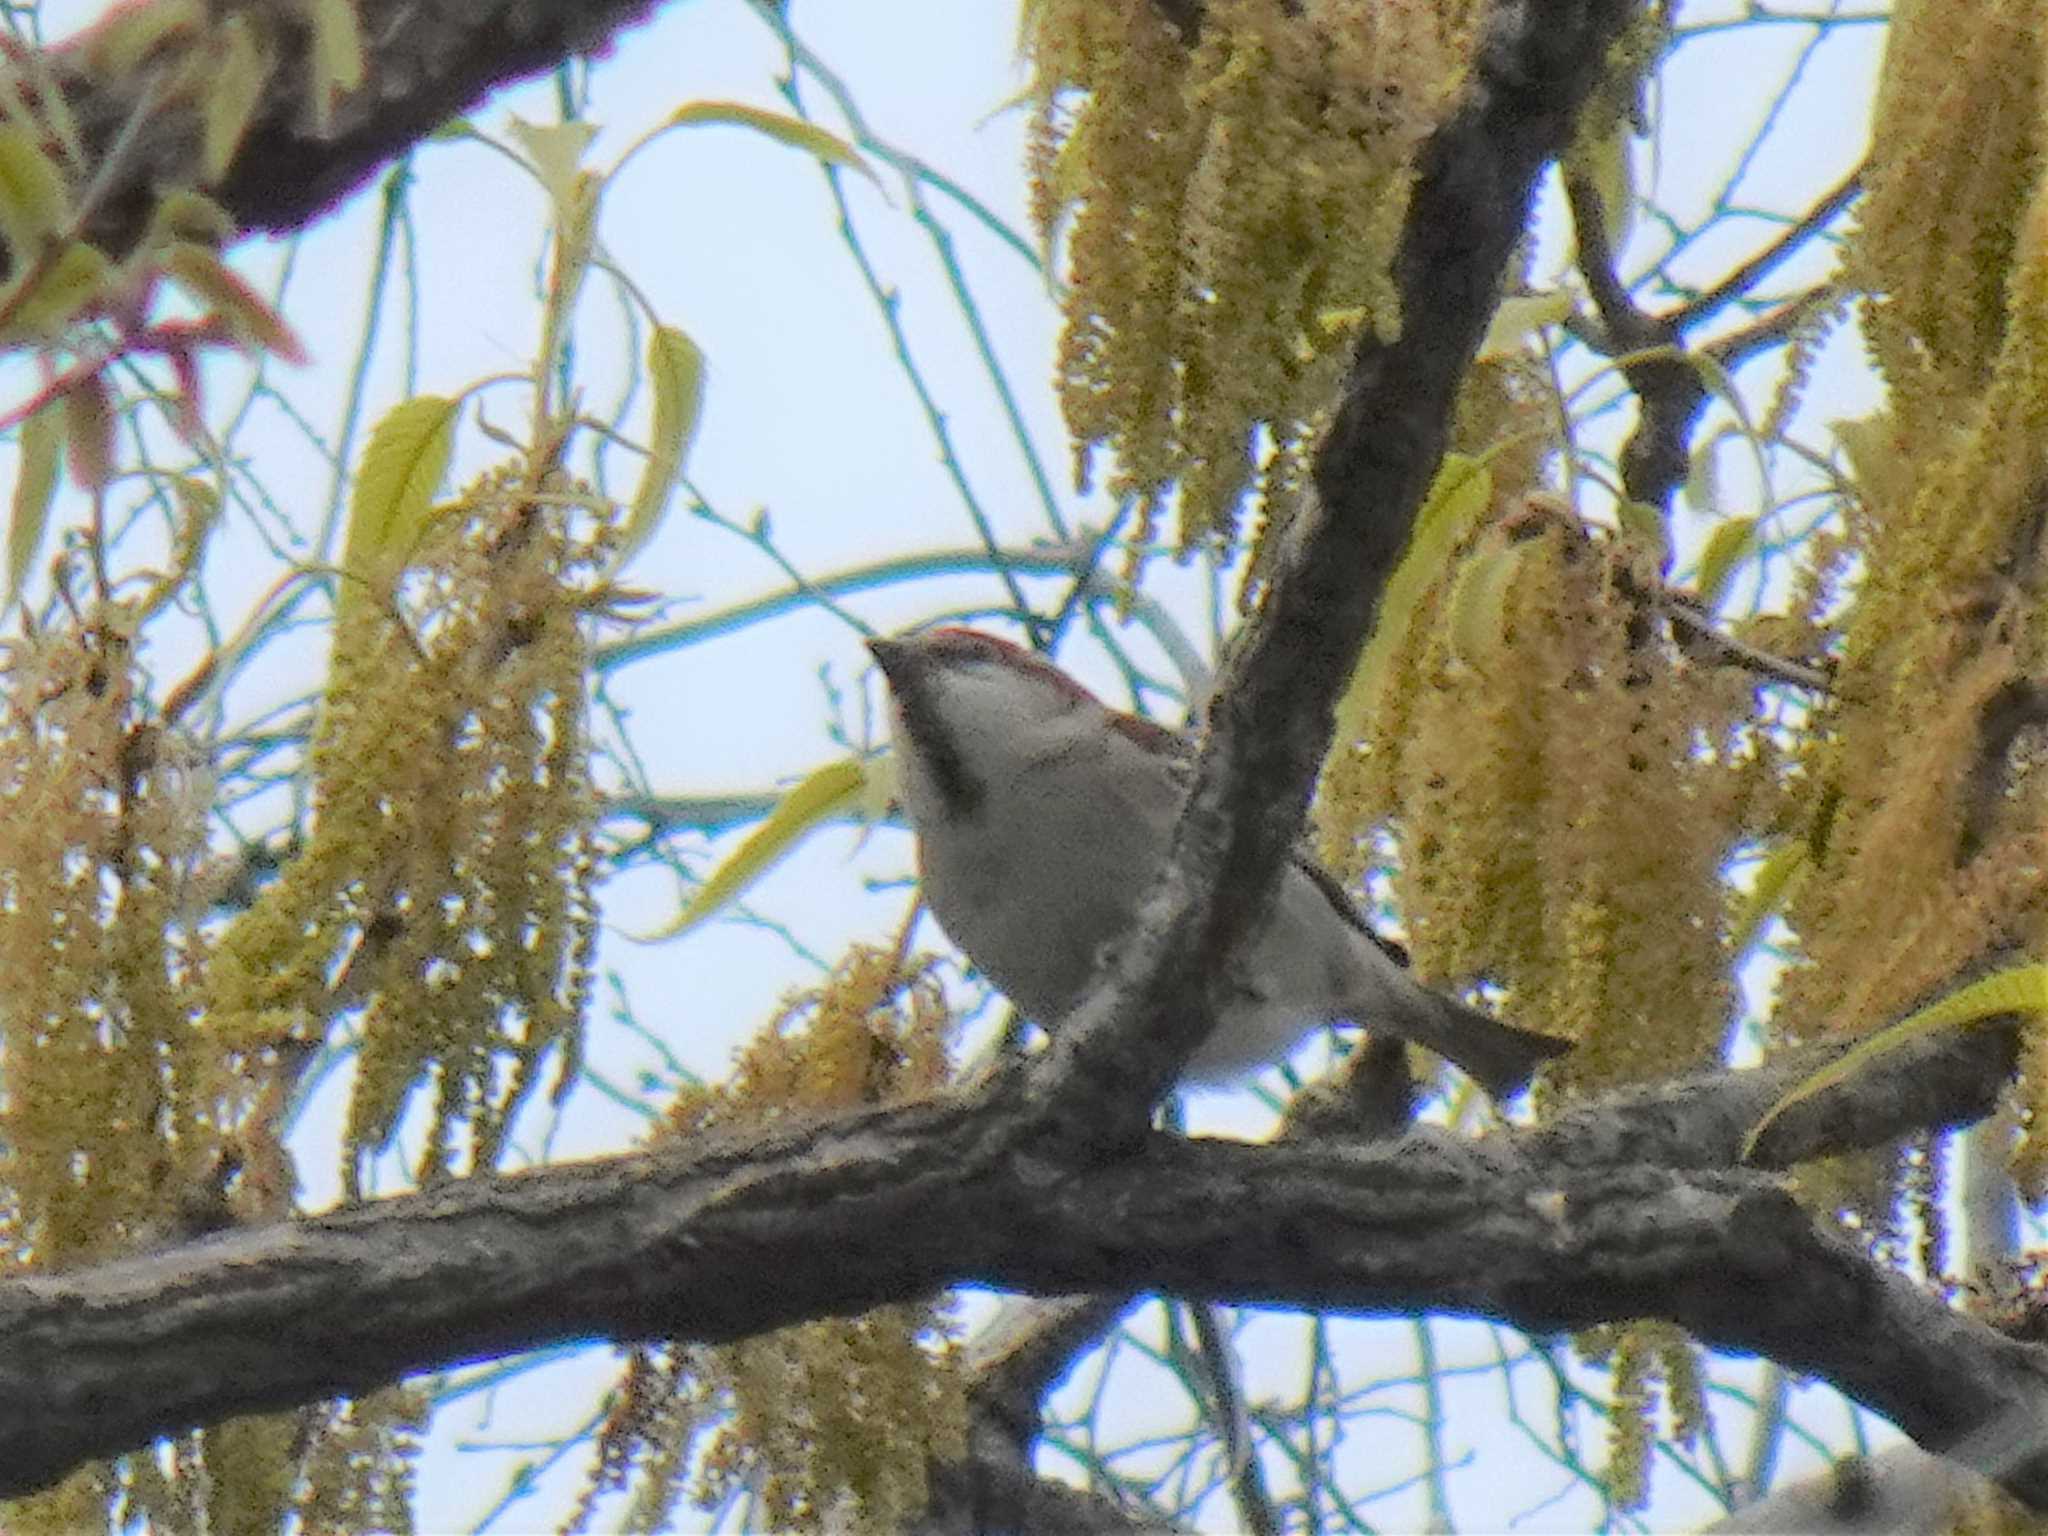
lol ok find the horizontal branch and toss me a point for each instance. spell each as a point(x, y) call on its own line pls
point(1704, 1120)
point(726, 1237)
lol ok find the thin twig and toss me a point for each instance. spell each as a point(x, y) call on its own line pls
point(1700, 632)
point(1628, 328)
point(1746, 276)
point(1778, 326)
point(1233, 1422)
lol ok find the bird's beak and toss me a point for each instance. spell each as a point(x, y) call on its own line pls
point(892, 656)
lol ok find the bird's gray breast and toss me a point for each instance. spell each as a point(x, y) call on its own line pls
point(1067, 848)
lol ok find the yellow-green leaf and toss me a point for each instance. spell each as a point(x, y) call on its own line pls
point(1643, 524)
point(232, 87)
point(131, 34)
point(56, 292)
point(1477, 614)
point(1343, 322)
point(556, 151)
point(1729, 547)
point(337, 55)
point(198, 515)
point(1603, 159)
point(35, 487)
point(1777, 880)
point(1876, 463)
point(2023, 989)
point(676, 366)
point(829, 792)
point(217, 286)
point(578, 230)
point(393, 500)
point(34, 198)
point(182, 214)
point(1702, 485)
point(1517, 318)
point(783, 129)
point(1717, 378)
point(1458, 498)
point(575, 240)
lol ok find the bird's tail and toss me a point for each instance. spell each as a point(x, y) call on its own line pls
point(1500, 1057)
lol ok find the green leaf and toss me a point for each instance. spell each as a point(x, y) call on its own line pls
point(1604, 160)
point(1348, 321)
point(245, 312)
point(198, 515)
point(182, 214)
point(131, 34)
point(1702, 485)
point(1458, 498)
point(2023, 989)
point(337, 55)
point(1876, 463)
point(575, 241)
point(239, 69)
point(1731, 545)
point(1717, 378)
point(677, 368)
point(823, 795)
point(556, 150)
point(393, 500)
point(1477, 619)
point(35, 201)
point(35, 487)
point(783, 129)
point(199, 509)
point(1643, 525)
point(58, 291)
point(1517, 318)
point(1777, 880)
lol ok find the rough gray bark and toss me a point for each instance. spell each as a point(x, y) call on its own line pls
point(730, 1236)
point(428, 61)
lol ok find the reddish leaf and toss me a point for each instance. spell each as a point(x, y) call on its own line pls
point(89, 431)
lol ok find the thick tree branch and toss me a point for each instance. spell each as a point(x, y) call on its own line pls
point(1014, 1362)
point(1019, 1357)
point(995, 1489)
point(728, 1237)
point(427, 61)
point(1701, 1121)
point(1023, 1354)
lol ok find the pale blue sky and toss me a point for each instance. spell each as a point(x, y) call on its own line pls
point(733, 239)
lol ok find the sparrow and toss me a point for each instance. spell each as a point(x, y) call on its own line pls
point(1042, 816)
